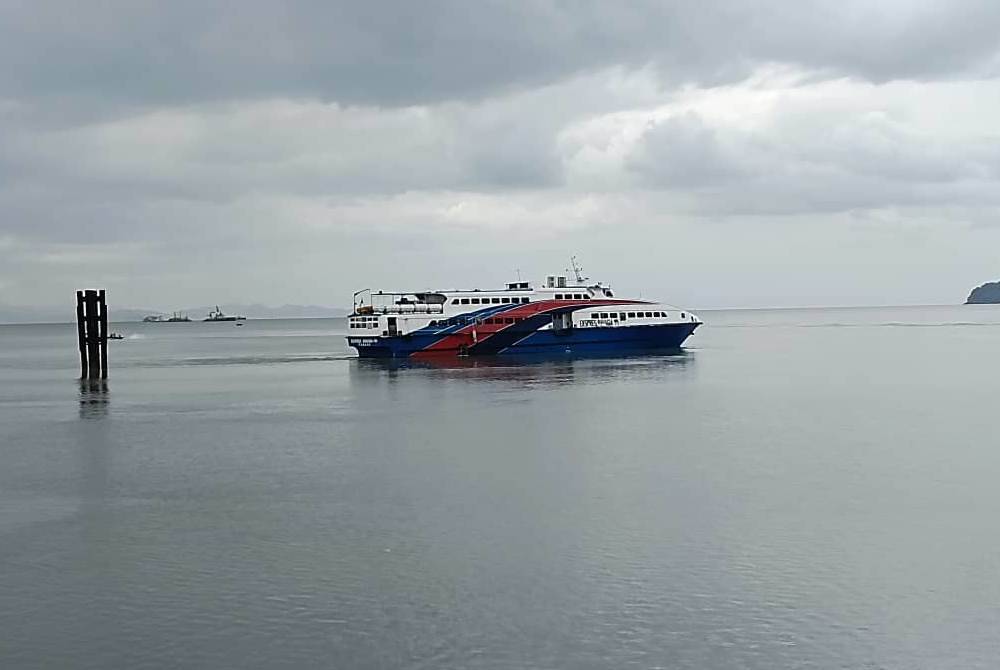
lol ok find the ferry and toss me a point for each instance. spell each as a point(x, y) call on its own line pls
point(567, 315)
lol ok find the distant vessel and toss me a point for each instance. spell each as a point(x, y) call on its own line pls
point(115, 336)
point(217, 315)
point(564, 316)
point(176, 317)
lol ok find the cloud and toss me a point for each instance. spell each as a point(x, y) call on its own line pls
point(162, 147)
point(400, 54)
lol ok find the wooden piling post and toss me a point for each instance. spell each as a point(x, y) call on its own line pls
point(92, 332)
point(81, 334)
point(93, 336)
point(103, 316)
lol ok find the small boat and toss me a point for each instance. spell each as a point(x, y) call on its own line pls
point(217, 315)
point(566, 315)
point(115, 336)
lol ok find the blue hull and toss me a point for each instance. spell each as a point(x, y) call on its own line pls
point(583, 341)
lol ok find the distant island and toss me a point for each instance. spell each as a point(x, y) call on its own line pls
point(987, 294)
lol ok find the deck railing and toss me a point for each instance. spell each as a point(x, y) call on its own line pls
point(416, 308)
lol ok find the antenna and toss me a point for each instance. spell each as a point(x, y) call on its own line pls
point(577, 271)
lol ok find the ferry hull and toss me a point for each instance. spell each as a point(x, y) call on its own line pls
point(584, 341)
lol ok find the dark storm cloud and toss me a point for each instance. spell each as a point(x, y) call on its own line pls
point(392, 53)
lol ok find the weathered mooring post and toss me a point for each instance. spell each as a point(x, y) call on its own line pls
point(92, 333)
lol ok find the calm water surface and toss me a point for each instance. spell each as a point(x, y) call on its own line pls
point(798, 489)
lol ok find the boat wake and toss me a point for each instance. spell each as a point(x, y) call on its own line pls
point(244, 360)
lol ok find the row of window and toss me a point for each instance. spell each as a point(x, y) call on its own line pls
point(364, 324)
point(572, 296)
point(496, 320)
point(489, 301)
point(457, 321)
point(630, 315)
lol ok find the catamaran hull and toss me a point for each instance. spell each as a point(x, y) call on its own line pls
point(583, 341)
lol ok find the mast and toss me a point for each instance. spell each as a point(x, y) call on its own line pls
point(577, 271)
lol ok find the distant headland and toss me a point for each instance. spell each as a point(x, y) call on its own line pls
point(987, 294)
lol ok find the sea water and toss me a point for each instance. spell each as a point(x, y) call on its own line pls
point(795, 489)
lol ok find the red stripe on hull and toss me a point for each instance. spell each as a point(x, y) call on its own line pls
point(464, 338)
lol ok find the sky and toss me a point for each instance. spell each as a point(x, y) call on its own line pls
point(708, 154)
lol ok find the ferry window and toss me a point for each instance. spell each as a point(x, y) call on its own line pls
point(465, 301)
point(558, 296)
point(604, 315)
point(475, 301)
point(621, 315)
point(504, 300)
point(631, 315)
point(595, 315)
point(525, 299)
point(496, 301)
point(682, 313)
point(649, 315)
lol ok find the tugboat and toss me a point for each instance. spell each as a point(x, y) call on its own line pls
point(217, 315)
point(564, 316)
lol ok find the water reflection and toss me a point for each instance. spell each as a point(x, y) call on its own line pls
point(526, 370)
point(94, 398)
point(94, 448)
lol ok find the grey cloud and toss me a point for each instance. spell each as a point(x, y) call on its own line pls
point(813, 163)
point(182, 143)
point(400, 53)
point(683, 152)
